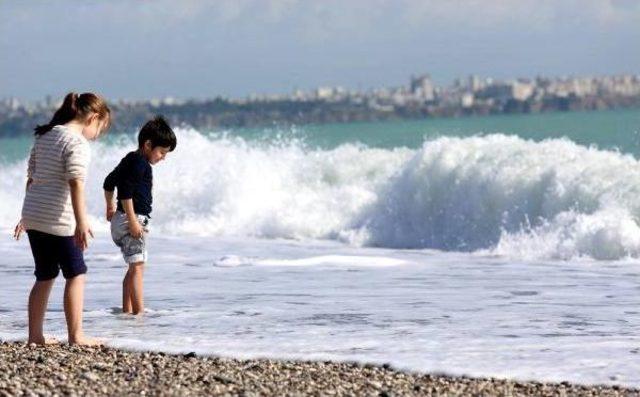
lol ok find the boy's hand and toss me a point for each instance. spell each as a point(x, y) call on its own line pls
point(83, 232)
point(135, 229)
point(111, 210)
point(17, 232)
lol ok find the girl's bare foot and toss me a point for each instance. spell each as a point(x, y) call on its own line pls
point(44, 341)
point(86, 341)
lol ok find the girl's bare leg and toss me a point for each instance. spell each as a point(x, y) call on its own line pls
point(73, 306)
point(38, 300)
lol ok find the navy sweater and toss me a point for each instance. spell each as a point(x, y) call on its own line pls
point(134, 179)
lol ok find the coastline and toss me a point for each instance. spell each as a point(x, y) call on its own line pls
point(65, 370)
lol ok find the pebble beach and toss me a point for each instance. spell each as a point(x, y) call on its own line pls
point(29, 370)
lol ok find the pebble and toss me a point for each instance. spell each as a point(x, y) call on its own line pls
point(90, 376)
point(80, 371)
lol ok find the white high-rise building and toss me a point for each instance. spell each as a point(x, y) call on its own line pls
point(422, 87)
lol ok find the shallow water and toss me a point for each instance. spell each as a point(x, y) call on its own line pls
point(416, 309)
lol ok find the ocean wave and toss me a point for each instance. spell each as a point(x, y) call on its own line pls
point(513, 197)
point(496, 193)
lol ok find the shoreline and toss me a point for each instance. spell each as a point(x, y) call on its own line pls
point(72, 370)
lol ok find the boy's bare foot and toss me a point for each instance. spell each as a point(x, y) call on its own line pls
point(86, 341)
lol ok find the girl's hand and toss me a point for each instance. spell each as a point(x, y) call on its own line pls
point(18, 230)
point(135, 229)
point(111, 210)
point(83, 232)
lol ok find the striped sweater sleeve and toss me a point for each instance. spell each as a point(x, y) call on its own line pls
point(31, 168)
point(76, 158)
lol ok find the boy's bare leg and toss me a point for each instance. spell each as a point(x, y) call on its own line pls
point(73, 306)
point(38, 300)
point(136, 273)
point(126, 293)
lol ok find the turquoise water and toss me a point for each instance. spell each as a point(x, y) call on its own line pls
point(619, 129)
point(611, 130)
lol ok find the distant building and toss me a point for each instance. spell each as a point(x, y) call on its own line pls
point(504, 91)
point(422, 87)
point(466, 100)
point(521, 91)
point(324, 92)
point(474, 83)
point(298, 94)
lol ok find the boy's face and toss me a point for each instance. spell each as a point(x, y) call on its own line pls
point(154, 155)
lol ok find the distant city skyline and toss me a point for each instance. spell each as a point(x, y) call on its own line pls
point(197, 49)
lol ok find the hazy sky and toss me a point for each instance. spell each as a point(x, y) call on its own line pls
point(184, 48)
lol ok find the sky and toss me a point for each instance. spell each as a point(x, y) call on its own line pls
point(201, 49)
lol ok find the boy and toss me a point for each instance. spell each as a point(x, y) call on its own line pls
point(130, 217)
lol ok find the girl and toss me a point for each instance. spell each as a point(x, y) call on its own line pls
point(54, 214)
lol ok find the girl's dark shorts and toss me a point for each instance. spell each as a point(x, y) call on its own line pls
point(52, 253)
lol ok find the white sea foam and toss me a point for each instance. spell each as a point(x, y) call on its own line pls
point(511, 196)
point(233, 261)
point(351, 260)
point(497, 194)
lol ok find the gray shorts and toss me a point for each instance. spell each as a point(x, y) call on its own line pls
point(133, 249)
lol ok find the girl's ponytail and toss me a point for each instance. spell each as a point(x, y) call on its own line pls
point(76, 106)
point(67, 112)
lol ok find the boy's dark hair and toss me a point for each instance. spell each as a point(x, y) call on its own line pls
point(158, 132)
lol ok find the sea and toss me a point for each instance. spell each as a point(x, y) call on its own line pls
point(495, 246)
